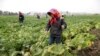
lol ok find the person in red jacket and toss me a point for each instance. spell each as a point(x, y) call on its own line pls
point(21, 17)
point(56, 24)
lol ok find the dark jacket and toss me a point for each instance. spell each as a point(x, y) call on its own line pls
point(21, 17)
point(56, 28)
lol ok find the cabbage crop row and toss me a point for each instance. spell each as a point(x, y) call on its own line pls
point(14, 37)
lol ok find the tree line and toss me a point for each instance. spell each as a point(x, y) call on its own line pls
point(7, 13)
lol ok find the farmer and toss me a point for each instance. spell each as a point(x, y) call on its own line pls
point(56, 24)
point(21, 17)
point(38, 16)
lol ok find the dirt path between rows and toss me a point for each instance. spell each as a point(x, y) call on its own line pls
point(94, 50)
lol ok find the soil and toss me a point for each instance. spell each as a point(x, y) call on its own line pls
point(94, 50)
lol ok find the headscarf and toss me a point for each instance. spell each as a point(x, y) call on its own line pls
point(56, 16)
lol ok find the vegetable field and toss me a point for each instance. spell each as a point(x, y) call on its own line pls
point(77, 36)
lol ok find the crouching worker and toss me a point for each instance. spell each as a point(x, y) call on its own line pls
point(21, 17)
point(56, 24)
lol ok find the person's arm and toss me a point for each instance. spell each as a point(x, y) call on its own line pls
point(63, 23)
point(48, 26)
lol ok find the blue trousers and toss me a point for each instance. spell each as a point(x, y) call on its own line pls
point(54, 39)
